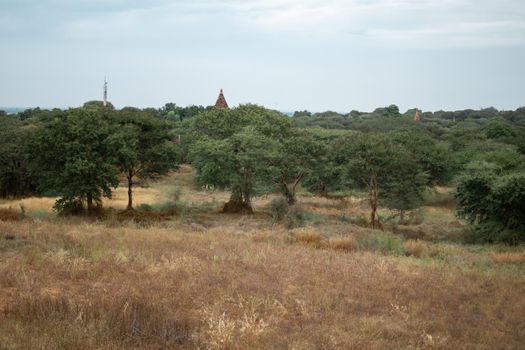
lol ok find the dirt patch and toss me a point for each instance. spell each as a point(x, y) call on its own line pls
point(144, 216)
point(9, 215)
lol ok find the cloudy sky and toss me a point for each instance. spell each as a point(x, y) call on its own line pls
point(284, 54)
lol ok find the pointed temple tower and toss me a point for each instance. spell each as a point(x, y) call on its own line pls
point(221, 102)
point(417, 118)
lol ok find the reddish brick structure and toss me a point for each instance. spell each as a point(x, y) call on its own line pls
point(221, 102)
point(417, 118)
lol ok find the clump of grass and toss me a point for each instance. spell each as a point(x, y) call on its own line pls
point(415, 248)
point(508, 258)
point(117, 320)
point(358, 220)
point(347, 243)
point(382, 242)
point(262, 236)
point(308, 237)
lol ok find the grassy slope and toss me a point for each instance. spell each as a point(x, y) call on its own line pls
point(205, 280)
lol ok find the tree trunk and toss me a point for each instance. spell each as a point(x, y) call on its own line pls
point(130, 190)
point(89, 199)
point(240, 201)
point(374, 199)
point(289, 195)
point(237, 203)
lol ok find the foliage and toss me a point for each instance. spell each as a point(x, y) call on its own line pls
point(72, 156)
point(434, 157)
point(493, 203)
point(142, 147)
point(15, 180)
point(236, 149)
point(387, 171)
point(299, 155)
point(173, 112)
point(279, 208)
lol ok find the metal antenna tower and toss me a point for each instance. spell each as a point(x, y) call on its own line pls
point(105, 92)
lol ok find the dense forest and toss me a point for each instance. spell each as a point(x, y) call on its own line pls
point(390, 158)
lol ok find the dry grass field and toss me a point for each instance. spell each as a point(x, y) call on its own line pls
point(205, 280)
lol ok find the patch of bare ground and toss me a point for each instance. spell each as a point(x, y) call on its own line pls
point(79, 285)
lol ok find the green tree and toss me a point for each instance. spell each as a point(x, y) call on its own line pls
point(142, 147)
point(492, 201)
point(498, 128)
point(433, 156)
point(325, 175)
point(15, 180)
point(237, 149)
point(385, 170)
point(299, 155)
point(72, 157)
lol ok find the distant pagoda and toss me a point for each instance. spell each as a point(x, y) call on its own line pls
point(221, 101)
point(417, 117)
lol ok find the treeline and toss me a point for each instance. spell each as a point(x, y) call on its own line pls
point(79, 155)
point(386, 118)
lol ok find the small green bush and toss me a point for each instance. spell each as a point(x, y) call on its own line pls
point(295, 217)
point(356, 220)
point(385, 243)
point(279, 208)
point(144, 207)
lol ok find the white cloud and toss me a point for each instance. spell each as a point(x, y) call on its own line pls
point(413, 23)
point(405, 23)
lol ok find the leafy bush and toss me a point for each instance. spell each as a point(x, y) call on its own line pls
point(69, 206)
point(494, 204)
point(279, 208)
point(145, 207)
point(295, 217)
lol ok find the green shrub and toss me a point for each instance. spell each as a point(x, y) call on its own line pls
point(295, 217)
point(279, 208)
point(356, 220)
point(385, 243)
point(144, 207)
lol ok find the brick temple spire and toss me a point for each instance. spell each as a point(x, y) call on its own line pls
point(417, 117)
point(221, 102)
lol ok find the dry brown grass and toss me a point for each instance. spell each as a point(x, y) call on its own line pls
point(415, 248)
point(508, 258)
point(72, 284)
point(307, 236)
point(347, 243)
point(203, 280)
point(9, 214)
point(35, 204)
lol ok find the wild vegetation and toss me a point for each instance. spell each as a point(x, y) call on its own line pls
point(244, 228)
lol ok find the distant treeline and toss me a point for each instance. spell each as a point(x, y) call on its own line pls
point(374, 121)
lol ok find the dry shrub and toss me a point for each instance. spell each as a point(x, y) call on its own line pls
point(508, 258)
point(308, 237)
point(9, 214)
point(343, 243)
point(415, 248)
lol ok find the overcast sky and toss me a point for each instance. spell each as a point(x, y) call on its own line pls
point(284, 54)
